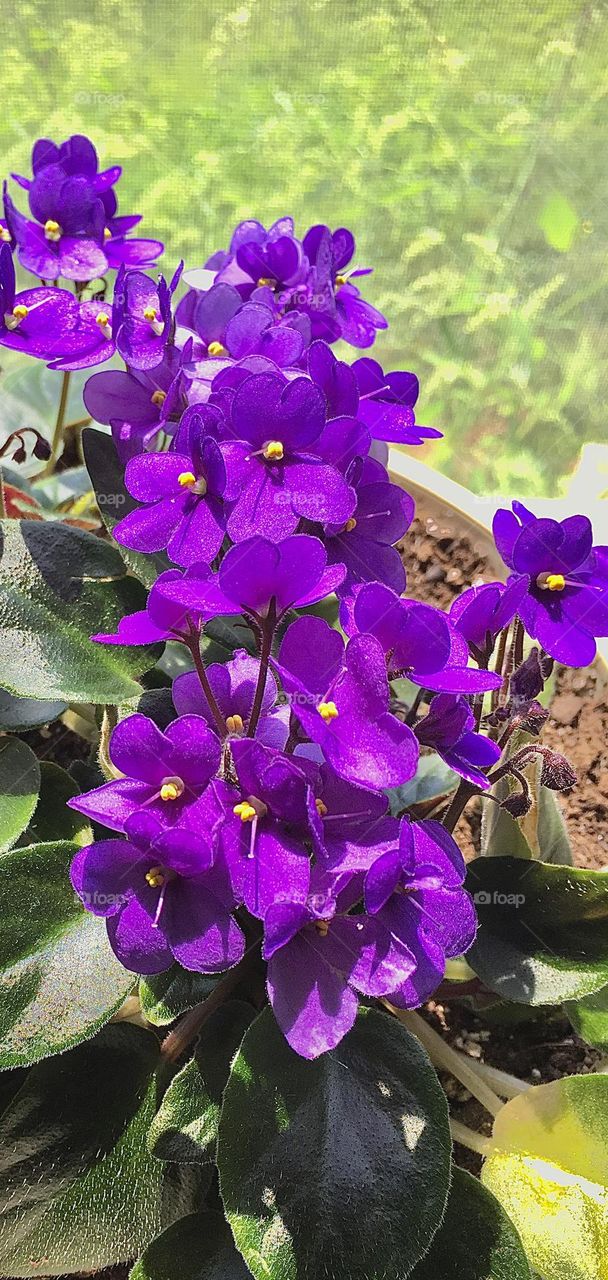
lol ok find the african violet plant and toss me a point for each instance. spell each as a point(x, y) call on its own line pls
point(214, 940)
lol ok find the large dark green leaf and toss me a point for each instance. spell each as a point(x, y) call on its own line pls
point(337, 1167)
point(58, 585)
point(79, 1190)
point(19, 787)
point(543, 935)
point(165, 995)
point(114, 500)
point(199, 1247)
point(53, 820)
point(185, 1127)
point(59, 979)
point(476, 1240)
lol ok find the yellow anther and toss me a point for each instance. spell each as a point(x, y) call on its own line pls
point(155, 877)
point(555, 581)
point(102, 319)
point(52, 230)
point(234, 724)
point(172, 789)
point(20, 311)
point(350, 525)
point(322, 927)
point(216, 349)
point(150, 313)
point(107, 234)
point(5, 235)
point(328, 711)
point(273, 451)
point(158, 397)
point(12, 319)
point(340, 280)
point(186, 479)
point(321, 808)
point(265, 282)
point(245, 811)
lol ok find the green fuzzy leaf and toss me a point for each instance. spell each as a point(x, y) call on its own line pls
point(589, 1017)
point(185, 1127)
point(19, 787)
point(338, 1167)
point(165, 995)
point(114, 500)
point(79, 1188)
point(52, 819)
point(433, 779)
point(59, 979)
point(476, 1240)
point(19, 714)
point(57, 586)
point(549, 1169)
point(543, 929)
point(199, 1247)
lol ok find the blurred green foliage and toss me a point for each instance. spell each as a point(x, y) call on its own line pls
point(463, 142)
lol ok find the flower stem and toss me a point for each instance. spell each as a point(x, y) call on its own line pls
point(466, 1137)
point(59, 423)
point(267, 634)
point(448, 1059)
point(193, 644)
point(461, 798)
point(178, 1040)
point(506, 1085)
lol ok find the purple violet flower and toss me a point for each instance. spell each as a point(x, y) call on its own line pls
point(38, 322)
point(387, 402)
point(480, 613)
point(259, 578)
point(183, 495)
point(51, 252)
point(333, 303)
point(165, 773)
point(567, 602)
point(275, 469)
point(136, 403)
point(365, 543)
point(162, 619)
point(233, 685)
point(341, 697)
point(146, 319)
point(448, 727)
point(163, 898)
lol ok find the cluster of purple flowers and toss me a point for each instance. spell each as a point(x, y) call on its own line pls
point(256, 456)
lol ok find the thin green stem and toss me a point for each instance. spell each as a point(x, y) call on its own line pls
point(442, 1055)
point(466, 1137)
point(59, 425)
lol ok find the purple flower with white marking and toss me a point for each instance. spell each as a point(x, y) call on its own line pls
point(163, 896)
point(567, 602)
point(146, 319)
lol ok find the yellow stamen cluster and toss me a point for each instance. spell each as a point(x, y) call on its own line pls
point(340, 280)
point(265, 282)
point(273, 451)
point(186, 479)
point(172, 789)
point(158, 397)
point(322, 927)
point(216, 349)
point(155, 877)
point(107, 234)
point(245, 811)
point(20, 311)
point(13, 318)
point(555, 581)
point(321, 808)
point(150, 313)
point(52, 230)
point(350, 525)
point(234, 724)
point(328, 711)
point(5, 235)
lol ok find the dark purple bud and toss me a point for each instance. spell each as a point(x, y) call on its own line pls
point(527, 682)
point(518, 804)
point(557, 773)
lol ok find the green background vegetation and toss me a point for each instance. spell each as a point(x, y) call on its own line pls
point(463, 142)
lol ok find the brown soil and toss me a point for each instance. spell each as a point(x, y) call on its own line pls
point(439, 567)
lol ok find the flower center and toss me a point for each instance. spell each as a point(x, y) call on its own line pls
point(158, 397)
point(265, 282)
point(107, 234)
point(350, 525)
point(234, 724)
point(322, 927)
point(155, 877)
point(321, 808)
point(14, 318)
point(216, 349)
point(551, 581)
point(188, 480)
point(52, 230)
point(328, 711)
point(273, 451)
point(5, 235)
point(156, 325)
point(103, 320)
point(250, 809)
point(340, 280)
point(172, 789)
